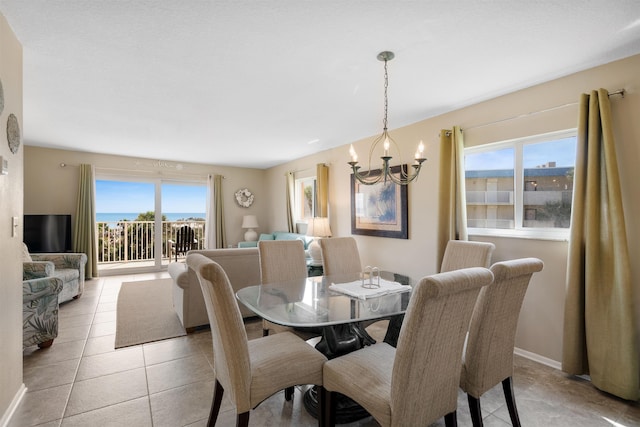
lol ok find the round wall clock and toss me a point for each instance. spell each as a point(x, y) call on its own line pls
point(13, 133)
point(1, 98)
point(244, 197)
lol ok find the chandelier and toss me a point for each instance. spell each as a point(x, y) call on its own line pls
point(373, 177)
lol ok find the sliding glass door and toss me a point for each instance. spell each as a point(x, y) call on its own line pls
point(137, 221)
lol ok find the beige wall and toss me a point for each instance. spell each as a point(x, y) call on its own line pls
point(51, 188)
point(541, 320)
point(11, 385)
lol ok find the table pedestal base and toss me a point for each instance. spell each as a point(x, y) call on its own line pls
point(347, 411)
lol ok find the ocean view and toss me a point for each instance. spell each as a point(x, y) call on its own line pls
point(171, 216)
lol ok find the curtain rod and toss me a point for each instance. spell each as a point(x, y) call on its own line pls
point(173, 174)
point(620, 92)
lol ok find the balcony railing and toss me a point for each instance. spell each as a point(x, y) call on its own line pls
point(489, 197)
point(131, 241)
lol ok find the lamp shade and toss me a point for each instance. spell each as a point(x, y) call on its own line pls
point(249, 221)
point(318, 227)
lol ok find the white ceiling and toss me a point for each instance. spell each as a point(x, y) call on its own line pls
point(253, 83)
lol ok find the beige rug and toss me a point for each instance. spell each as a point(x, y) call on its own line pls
point(145, 313)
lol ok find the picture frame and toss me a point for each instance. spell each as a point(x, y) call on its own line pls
point(380, 209)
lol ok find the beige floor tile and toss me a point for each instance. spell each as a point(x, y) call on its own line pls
point(41, 406)
point(46, 376)
point(109, 363)
point(178, 372)
point(163, 351)
point(104, 316)
point(99, 345)
point(106, 390)
point(134, 413)
point(182, 405)
point(102, 329)
point(58, 352)
point(77, 320)
point(106, 306)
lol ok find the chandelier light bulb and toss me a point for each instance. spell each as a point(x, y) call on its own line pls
point(386, 146)
point(352, 153)
point(420, 152)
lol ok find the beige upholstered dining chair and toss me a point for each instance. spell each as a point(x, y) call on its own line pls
point(250, 371)
point(340, 255)
point(465, 253)
point(417, 383)
point(282, 261)
point(488, 357)
point(458, 254)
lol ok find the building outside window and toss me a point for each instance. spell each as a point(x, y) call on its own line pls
point(521, 187)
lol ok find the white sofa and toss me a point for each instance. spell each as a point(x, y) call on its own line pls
point(242, 266)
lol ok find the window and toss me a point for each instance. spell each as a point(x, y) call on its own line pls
point(521, 187)
point(305, 198)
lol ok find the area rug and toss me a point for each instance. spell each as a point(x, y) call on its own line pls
point(145, 313)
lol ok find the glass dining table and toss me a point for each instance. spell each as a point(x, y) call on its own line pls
point(312, 304)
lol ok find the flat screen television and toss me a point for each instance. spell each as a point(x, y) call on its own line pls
point(47, 233)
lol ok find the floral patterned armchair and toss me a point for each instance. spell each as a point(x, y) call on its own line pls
point(40, 311)
point(66, 266)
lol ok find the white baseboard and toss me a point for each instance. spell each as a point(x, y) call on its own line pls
point(537, 358)
point(6, 417)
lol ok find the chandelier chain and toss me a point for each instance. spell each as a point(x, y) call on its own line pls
point(386, 99)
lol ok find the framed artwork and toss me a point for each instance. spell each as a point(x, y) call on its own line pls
point(380, 209)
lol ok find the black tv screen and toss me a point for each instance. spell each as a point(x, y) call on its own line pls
point(47, 233)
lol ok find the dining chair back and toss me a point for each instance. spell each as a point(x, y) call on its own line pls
point(249, 371)
point(488, 359)
point(465, 253)
point(283, 261)
point(417, 383)
point(340, 256)
point(458, 254)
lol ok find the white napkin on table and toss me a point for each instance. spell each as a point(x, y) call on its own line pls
point(356, 290)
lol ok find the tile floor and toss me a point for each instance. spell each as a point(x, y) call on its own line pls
point(82, 381)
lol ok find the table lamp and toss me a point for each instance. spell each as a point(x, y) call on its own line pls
point(318, 228)
point(250, 222)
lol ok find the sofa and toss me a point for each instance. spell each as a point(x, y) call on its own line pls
point(279, 235)
point(69, 267)
point(242, 266)
point(40, 311)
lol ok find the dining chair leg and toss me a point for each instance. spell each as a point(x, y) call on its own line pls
point(242, 420)
point(476, 412)
point(507, 387)
point(288, 394)
point(451, 419)
point(218, 391)
point(330, 407)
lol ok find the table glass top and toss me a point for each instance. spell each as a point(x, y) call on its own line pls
point(310, 303)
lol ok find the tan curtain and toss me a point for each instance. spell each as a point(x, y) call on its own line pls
point(210, 219)
point(452, 216)
point(599, 334)
point(322, 180)
point(289, 181)
point(221, 237)
point(84, 228)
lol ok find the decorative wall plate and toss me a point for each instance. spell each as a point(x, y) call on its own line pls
point(244, 197)
point(1, 98)
point(13, 133)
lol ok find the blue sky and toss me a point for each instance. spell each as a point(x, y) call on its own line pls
point(136, 197)
point(562, 151)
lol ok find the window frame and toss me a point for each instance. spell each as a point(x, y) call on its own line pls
point(296, 198)
point(519, 231)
